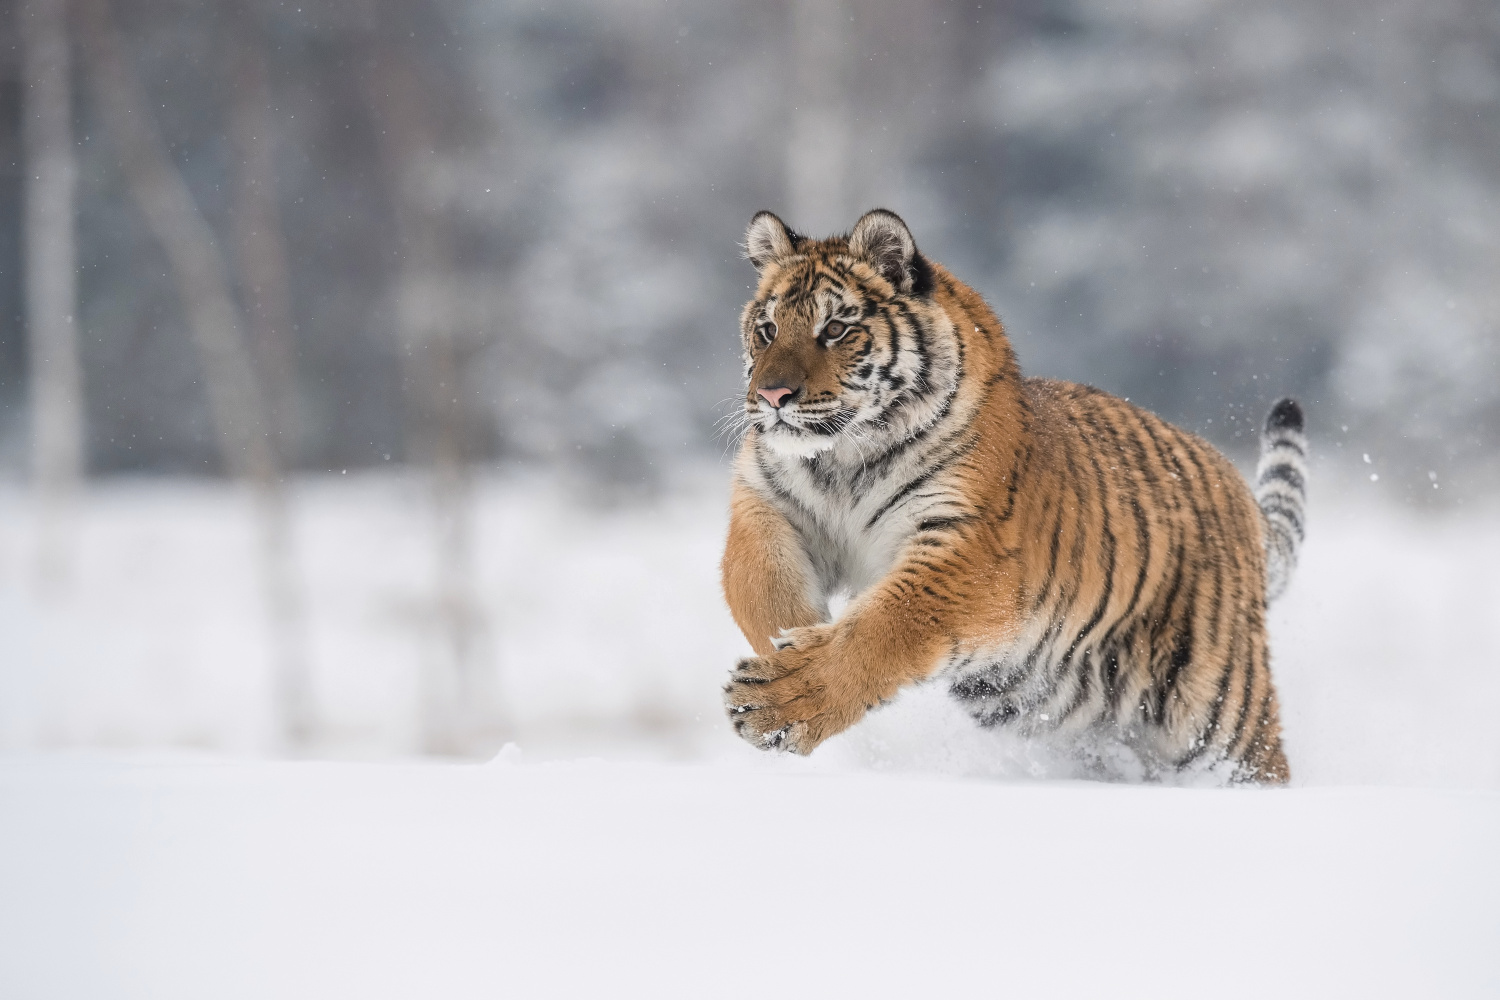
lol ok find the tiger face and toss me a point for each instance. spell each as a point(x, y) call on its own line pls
point(844, 346)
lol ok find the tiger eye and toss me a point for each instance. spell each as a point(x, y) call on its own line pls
point(833, 330)
point(767, 332)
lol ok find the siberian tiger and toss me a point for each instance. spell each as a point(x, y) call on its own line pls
point(1067, 562)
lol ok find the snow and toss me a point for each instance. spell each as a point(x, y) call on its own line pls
point(148, 848)
point(607, 634)
point(127, 878)
point(161, 639)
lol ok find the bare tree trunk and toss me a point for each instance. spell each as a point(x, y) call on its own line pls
point(459, 706)
point(57, 424)
point(234, 395)
point(817, 164)
point(260, 250)
point(266, 289)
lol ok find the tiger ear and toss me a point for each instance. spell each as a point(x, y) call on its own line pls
point(881, 238)
point(768, 239)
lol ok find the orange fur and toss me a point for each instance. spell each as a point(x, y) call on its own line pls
point(1070, 562)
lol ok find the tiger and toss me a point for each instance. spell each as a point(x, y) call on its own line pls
point(1072, 566)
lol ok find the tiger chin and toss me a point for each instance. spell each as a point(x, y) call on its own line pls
point(1071, 566)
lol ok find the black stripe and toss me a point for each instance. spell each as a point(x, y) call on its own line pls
point(940, 523)
point(1085, 680)
point(1109, 572)
point(921, 382)
point(1207, 732)
point(1288, 514)
point(1182, 655)
point(1285, 472)
point(1005, 713)
point(1289, 443)
point(876, 467)
point(829, 426)
point(1045, 590)
point(1215, 547)
point(883, 372)
point(1251, 666)
point(1142, 531)
point(781, 492)
point(1048, 638)
point(900, 495)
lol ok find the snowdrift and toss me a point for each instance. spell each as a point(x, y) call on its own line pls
point(607, 635)
point(913, 855)
point(163, 880)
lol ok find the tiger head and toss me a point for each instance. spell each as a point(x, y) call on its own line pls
point(845, 343)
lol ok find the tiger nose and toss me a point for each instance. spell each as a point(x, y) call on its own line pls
point(775, 395)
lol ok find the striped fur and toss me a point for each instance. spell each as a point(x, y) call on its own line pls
point(1281, 492)
point(1071, 566)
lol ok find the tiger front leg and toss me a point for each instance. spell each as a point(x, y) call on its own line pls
point(822, 679)
point(767, 576)
point(806, 690)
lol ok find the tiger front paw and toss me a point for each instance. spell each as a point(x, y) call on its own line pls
point(798, 696)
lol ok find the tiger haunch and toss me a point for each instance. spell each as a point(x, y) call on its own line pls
point(1071, 564)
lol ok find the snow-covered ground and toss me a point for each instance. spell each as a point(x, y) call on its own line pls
point(121, 878)
point(607, 634)
point(147, 848)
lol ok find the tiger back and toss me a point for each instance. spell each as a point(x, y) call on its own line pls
point(1068, 563)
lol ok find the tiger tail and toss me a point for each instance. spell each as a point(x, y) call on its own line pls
point(1281, 492)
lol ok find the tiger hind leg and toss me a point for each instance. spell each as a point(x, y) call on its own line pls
point(1217, 712)
point(1263, 761)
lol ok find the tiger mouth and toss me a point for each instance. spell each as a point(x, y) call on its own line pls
point(778, 421)
point(828, 424)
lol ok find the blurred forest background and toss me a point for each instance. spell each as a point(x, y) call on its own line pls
point(1196, 204)
point(273, 243)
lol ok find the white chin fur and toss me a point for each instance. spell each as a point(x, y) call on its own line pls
point(796, 445)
